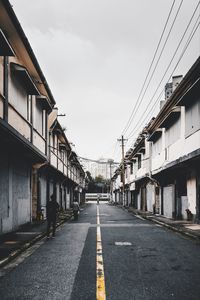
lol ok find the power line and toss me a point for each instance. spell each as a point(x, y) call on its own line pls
point(131, 117)
point(97, 161)
point(182, 53)
point(159, 97)
point(159, 57)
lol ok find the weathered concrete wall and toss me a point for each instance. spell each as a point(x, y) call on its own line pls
point(21, 196)
point(15, 192)
point(150, 197)
point(43, 193)
point(191, 192)
point(168, 201)
point(184, 206)
point(68, 200)
point(4, 189)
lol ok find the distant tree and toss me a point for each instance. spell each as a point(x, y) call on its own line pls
point(99, 178)
point(102, 184)
point(89, 176)
point(90, 183)
point(98, 184)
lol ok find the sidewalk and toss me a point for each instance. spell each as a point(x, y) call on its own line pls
point(14, 243)
point(187, 228)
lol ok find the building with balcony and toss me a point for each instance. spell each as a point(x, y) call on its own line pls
point(162, 168)
point(32, 141)
point(175, 142)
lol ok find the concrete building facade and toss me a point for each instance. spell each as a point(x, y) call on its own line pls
point(26, 106)
point(163, 165)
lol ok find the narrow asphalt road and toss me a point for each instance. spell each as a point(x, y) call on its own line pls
point(140, 260)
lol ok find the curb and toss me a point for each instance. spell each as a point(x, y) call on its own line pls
point(188, 234)
point(27, 245)
point(152, 219)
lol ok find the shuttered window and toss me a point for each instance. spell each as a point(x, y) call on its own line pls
point(192, 117)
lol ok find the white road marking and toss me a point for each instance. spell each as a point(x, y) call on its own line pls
point(100, 279)
point(123, 244)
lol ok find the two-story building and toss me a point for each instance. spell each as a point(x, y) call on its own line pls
point(175, 142)
point(61, 174)
point(25, 102)
point(163, 165)
point(26, 107)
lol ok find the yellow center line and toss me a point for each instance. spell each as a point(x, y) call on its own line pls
point(100, 279)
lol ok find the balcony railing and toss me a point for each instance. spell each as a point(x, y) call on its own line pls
point(19, 123)
point(39, 141)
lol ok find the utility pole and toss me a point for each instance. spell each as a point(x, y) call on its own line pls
point(122, 140)
point(110, 161)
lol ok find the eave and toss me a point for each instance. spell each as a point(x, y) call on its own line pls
point(171, 117)
point(5, 49)
point(25, 79)
point(185, 85)
point(155, 135)
point(18, 28)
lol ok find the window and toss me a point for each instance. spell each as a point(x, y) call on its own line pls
point(166, 153)
point(54, 142)
point(173, 133)
point(62, 155)
point(157, 147)
point(131, 168)
point(44, 123)
point(139, 162)
point(29, 108)
point(192, 116)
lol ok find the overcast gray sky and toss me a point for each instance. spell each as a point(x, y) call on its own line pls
point(95, 55)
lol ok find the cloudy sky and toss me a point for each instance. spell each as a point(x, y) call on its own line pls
point(95, 55)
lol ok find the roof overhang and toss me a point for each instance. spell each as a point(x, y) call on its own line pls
point(191, 94)
point(26, 80)
point(44, 102)
point(142, 150)
point(171, 117)
point(155, 135)
point(5, 48)
point(62, 146)
point(138, 154)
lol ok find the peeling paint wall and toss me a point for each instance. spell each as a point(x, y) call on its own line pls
point(168, 201)
point(191, 192)
point(43, 194)
point(15, 192)
point(150, 197)
point(4, 189)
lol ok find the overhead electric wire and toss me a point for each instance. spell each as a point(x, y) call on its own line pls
point(97, 161)
point(182, 53)
point(159, 57)
point(150, 79)
point(184, 49)
point(131, 116)
point(155, 103)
